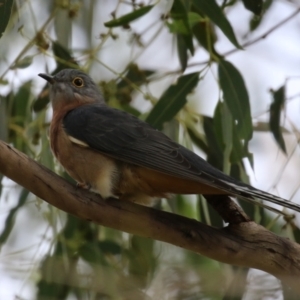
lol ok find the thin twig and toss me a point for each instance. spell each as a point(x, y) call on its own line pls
point(249, 43)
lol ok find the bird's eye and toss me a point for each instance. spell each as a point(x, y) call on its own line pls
point(77, 81)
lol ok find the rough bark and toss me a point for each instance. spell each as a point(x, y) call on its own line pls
point(244, 244)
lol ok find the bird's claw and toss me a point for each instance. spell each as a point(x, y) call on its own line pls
point(83, 185)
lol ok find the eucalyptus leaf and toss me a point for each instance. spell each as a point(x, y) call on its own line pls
point(215, 13)
point(23, 63)
point(172, 100)
point(254, 6)
point(142, 260)
point(126, 19)
point(3, 120)
point(181, 26)
point(91, 253)
point(275, 112)
point(205, 34)
point(214, 143)
point(3, 81)
point(126, 86)
point(20, 117)
point(10, 219)
point(224, 128)
point(197, 140)
point(5, 12)
point(236, 97)
point(63, 56)
point(182, 51)
point(256, 20)
point(109, 247)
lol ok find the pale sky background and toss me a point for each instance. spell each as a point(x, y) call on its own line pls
point(266, 64)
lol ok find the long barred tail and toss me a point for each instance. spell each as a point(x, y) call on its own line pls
point(251, 194)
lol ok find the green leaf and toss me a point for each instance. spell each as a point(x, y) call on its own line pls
point(126, 19)
point(254, 5)
point(178, 26)
point(256, 20)
point(4, 81)
point(236, 97)
point(225, 147)
point(20, 116)
point(3, 120)
point(20, 107)
point(296, 231)
point(182, 51)
point(172, 100)
point(63, 57)
point(5, 12)
point(208, 214)
point(53, 284)
point(23, 63)
point(197, 140)
point(204, 32)
point(45, 156)
point(181, 24)
point(223, 124)
point(142, 260)
point(227, 130)
point(134, 77)
point(110, 247)
point(275, 112)
point(92, 254)
point(194, 18)
point(214, 143)
point(10, 219)
point(42, 100)
point(215, 13)
point(183, 206)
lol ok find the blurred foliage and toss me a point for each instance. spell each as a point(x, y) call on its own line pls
point(255, 6)
point(275, 112)
point(5, 11)
point(86, 261)
point(172, 100)
point(126, 19)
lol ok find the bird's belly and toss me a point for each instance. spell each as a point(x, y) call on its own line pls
point(109, 177)
point(88, 167)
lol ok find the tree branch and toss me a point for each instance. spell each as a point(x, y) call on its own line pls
point(244, 244)
point(227, 209)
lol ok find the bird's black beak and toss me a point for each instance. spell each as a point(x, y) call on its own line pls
point(49, 78)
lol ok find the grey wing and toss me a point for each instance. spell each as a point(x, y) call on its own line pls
point(128, 139)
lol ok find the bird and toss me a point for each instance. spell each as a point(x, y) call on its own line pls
point(115, 154)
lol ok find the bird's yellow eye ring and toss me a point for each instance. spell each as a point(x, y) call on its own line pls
point(78, 82)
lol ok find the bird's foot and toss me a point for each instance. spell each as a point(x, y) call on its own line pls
point(83, 185)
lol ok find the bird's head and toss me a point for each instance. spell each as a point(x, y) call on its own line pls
point(72, 87)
